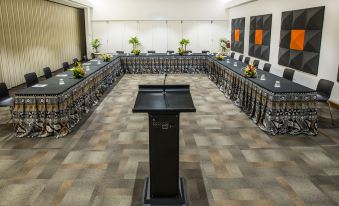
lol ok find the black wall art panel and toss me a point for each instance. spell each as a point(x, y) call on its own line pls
point(238, 33)
point(300, 39)
point(260, 37)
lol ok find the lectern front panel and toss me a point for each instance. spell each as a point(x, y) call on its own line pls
point(164, 155)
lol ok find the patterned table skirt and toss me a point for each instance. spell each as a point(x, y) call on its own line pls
point(46, 115)
point(42, 116)
point(275, 113)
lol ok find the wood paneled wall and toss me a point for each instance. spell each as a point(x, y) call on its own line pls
point(35, 34)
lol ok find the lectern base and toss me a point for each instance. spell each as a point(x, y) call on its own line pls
point(182, 200)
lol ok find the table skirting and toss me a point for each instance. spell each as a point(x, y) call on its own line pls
point(275, 113)
point(55, 115)
point(42, 115)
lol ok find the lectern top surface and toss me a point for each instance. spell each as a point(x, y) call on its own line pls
point(153, 99)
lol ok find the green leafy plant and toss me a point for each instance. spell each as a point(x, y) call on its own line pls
point(106, 57)
point(225, 44)
point(96, 44)
point(181, 51)
point(135, 44)
point(184, 42)
point(78, 71)
point(220, 57)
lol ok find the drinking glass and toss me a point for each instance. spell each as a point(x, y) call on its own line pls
point(61, 82)
point(277, 84)
point(263, 77)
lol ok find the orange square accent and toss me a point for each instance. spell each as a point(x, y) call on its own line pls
point(258, 37)
point(237, 35)
point(297, 40)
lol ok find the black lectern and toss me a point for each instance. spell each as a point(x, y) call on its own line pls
point(163, 105)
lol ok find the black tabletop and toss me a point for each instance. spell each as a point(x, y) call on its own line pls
point(54, 88)
point(286, 86)
point(152, 99)
point(163, 54)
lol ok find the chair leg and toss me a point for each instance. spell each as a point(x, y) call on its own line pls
point(329, 107)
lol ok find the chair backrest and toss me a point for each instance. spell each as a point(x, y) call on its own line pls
point(151, 52)
point(188, 51)
point(325, 87)
point(267, 67)
point(247, 60)
point(3, 90)
point(232, 55)
point(31, 79)
point(205, 51)
point(170, 51)
point(85, 58)
point(75, 60)
point(241, 57)
point(65, 66)
point(47, 72)
point(288, 74)
point(120, 52)
point(256, 63)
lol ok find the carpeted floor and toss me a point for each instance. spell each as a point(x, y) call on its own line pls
point(224, 157)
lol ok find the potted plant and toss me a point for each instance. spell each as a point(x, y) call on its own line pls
point(96, 44)
point(106, 57)
point(183, 45)
point(225, 45)
point(219, 57)
point(181, 51)
point(78, 71)
point(250, 71)
point(135, 43)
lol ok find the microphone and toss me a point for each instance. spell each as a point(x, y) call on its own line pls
point(163, 87)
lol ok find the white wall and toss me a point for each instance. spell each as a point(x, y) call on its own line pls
point(159, 24)
point(159, 10)
point(160, 35)
point(329, 57)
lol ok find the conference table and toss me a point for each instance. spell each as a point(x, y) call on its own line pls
point(54, 106)
point(290, 108)
point(53, 109)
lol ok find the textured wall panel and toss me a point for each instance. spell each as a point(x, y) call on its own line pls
point(300, 39)
point(260, 36)
point(237, 36)
point(35, 34)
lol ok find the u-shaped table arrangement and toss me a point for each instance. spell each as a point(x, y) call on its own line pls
point(54, 109)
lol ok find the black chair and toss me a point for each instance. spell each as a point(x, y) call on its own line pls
point(247, 60)
point(170, 51)
point(205, 51)
point(47, 72)
point(241, 57)
point(288, 74)
point(256, 63)
point(75, 60)
point(151, 52)
point(5, 99)
point(65, 66)
point(84, 58)
point(232, 55)
point(120, 52)
point(324, 90)
point(267, 67)
point(31, 79)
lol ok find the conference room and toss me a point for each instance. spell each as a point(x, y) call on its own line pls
point(169, 102)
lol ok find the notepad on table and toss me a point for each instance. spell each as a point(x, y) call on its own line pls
point(40, 85)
